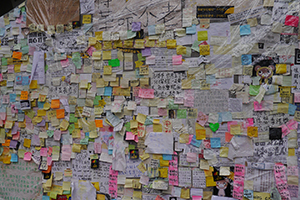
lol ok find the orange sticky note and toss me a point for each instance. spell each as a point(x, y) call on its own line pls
point(200, 134)
point(228, 136)
point(99, 123)
point(24, 95)
point(60, 113)
point(6, 144)
point(55, 103)
point(17, 55)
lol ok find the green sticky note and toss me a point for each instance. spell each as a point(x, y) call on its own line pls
point(25, 49)
point(114, 62)
point(141, 58)
point(23, 42)
point(96, 100)
point(130, 34)
point(71, 128)
point(195, 45)
point(4, 61)
point(53, 195)
point(84, 141)
point(173, 106)
point(181, 113)
point(202, 35)
point(76, 58)
point(73, 119)
point(50, 133)
point(131, 146)
point(254, 90)
point(30, 114)
point(149, 121)
point(127, 126)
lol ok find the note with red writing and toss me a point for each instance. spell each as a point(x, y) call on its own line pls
point(238, 184)
point(113, 180)
point(173, 171)
point(146, 93)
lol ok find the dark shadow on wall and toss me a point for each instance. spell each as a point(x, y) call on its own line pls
point(8, 5)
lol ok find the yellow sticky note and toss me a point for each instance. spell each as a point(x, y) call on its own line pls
point(235, 129)
point(86, 19)
point(66, 185)
point(96, 55)
point(252, 131)
point(163, 172)
point(283, 108)
point(184, 138)
point(171, 44)
point(210, 181)
point(281, 68)
point(64, 125)
point(101, 197)
point(76, 148)
point(224, 152)
point(33, 84)
point(139, 44)
point(141, 167)
point(291, 152)
point(27, 143)
point(96, 185)
point(200, 134)
point(133, 124)
point(92, 41)
point(106, 55)
point(185, 193)
point(98, 35)
point(156, 121)
point(163, 163)
point(260, 195)
point(41, 113)
point(107, 70)
point(157, 128)
point(141, 118)
point(144, 70)
point(204, 50)
point(180, 50)
point(202, 35)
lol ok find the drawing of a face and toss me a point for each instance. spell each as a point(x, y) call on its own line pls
point(221, 185)
point(264, 72)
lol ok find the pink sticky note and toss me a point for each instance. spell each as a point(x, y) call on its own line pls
point(130, 136)
point(297, 95)
point(197, 197)
point(27, 156)
point(57, 135)
point(136, 138)
point(64, 63)
point(202, 118)
point(97, 147)
point(190, 138)
point(191, 157)
point(291, 20)
point(206, 144)
point(146, 93)
point(91, 50)
point(162, 112)
point(43, 152)
point(10, 69)
point(292, 124)
point(49, 161)
point(292, 171)
point(285, 130)
point(177, 59)
point(150, 60)
point(66, 151)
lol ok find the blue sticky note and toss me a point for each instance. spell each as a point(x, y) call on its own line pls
point(246, 59)
point(110, 151)
point(191, 30)
point(245, 30)
point(100, 91)
point(215, 142)
point(25, 80)
point(248, 194)
point(46, 198)
point(12, 97)
point(17, 12)
point(211, 79)
point(2, 32)
point(87, 134)
point(292, 109)
point(167, 156)
point(196, 142)
point(41, 104)
point(14, 157)
point(151, 30)
point(225, 116)
point(107, 91)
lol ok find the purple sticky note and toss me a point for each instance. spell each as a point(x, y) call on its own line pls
point(146, 52)
point(13, 144)
point(136, 26)
point(42, 123)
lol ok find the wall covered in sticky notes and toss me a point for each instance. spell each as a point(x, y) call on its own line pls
point(173, 99)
